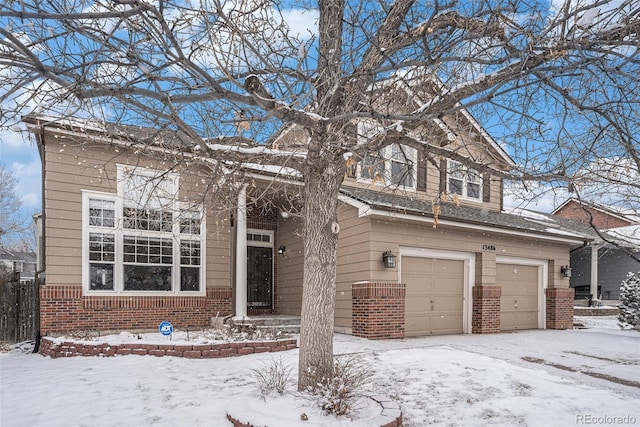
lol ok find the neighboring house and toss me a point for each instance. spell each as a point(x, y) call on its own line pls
point(133, 237)
point(21, 261)
point(610, 255)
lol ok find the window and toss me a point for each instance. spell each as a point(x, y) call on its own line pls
point(463, 181)
point(142, 240)
point(403, 165)
point(393, 165)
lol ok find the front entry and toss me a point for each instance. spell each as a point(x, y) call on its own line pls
point(259, 272)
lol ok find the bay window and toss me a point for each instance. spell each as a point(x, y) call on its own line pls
point(142, 240)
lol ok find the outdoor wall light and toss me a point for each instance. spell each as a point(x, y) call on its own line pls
point(566, 271)
point(281, 249)
point(389, 259)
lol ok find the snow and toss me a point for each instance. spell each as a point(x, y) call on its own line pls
point(529, 378)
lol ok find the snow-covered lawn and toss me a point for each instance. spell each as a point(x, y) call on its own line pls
point(529, 378)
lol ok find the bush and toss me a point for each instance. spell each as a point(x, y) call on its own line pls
point(338, 392)
point(630, 301)
point(273, 377)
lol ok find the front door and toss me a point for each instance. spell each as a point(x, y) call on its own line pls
point(259, 277)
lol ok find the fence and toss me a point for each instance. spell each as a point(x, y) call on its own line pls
point(19, 309)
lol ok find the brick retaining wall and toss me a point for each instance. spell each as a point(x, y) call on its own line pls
point(195, 351)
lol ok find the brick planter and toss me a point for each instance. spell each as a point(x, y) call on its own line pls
point(196, 351)
point(486, 309)
point(390, 416)
point(378, 310)
point(559, 308)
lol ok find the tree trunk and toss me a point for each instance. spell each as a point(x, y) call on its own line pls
point(319, 283)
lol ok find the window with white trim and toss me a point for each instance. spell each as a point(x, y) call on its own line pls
point(395, 164)
point(464, 181)
point(142, 239)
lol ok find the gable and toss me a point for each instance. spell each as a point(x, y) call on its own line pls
point(590, 214)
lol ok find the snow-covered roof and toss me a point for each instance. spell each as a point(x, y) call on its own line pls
point(625, 236)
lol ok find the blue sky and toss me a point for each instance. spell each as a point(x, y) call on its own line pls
point(19, 154)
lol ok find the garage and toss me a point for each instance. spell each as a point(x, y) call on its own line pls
point(519, 298)
point(434, 303)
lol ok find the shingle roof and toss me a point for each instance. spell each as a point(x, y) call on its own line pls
point(522, 221)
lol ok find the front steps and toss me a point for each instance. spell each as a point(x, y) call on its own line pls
point(274, 323)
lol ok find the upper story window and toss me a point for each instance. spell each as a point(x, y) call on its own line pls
point(393, 165)
point(142, 239)
point(464, 181)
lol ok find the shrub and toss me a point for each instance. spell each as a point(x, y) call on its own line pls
point(630, 301)
point(338, 392)
point(273, 377)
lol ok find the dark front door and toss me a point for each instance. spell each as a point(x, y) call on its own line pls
point(259, 277)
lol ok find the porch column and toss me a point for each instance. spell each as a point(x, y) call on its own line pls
point(594, 272)
point(241, 255)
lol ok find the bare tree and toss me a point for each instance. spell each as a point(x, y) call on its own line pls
point(14, 225)
point(558, 87)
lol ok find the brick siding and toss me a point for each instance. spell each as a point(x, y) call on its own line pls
point(559, 308)
point(486, 309)
point(65, 309)
point(586, 214)
point(378, 310)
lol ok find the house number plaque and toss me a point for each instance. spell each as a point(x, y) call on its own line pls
point(488, 247)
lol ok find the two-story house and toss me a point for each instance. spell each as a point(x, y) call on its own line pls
point(134, 236)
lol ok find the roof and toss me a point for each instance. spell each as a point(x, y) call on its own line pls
point(27, 259)
point(613, 211)
point(528, 222)
point(628, 237)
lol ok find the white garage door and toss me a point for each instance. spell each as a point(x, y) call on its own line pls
point(434, 296)
point(519, 300)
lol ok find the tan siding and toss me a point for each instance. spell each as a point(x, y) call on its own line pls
point(354, 259)
point(71, 167)
point(290, 266)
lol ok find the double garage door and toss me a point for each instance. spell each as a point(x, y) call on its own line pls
point(434, 303)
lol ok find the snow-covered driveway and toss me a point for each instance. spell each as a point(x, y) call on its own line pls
point(529, 378)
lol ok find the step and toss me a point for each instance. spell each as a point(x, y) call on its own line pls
point(273, 323)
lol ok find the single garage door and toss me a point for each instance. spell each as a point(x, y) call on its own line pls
point(434, 296)
point(519, 300)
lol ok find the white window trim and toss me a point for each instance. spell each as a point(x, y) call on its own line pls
point(385, 156)
point(463, 196)
point(269, 244)
point(118, 231)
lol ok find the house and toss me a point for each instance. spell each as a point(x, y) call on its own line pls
point(20, 261)
point(610, 255)
point(134, 236)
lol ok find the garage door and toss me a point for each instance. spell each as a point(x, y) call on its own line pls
point(434, 296)
point(519, 300)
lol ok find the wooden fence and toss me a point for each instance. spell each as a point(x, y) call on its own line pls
point(19, 309)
